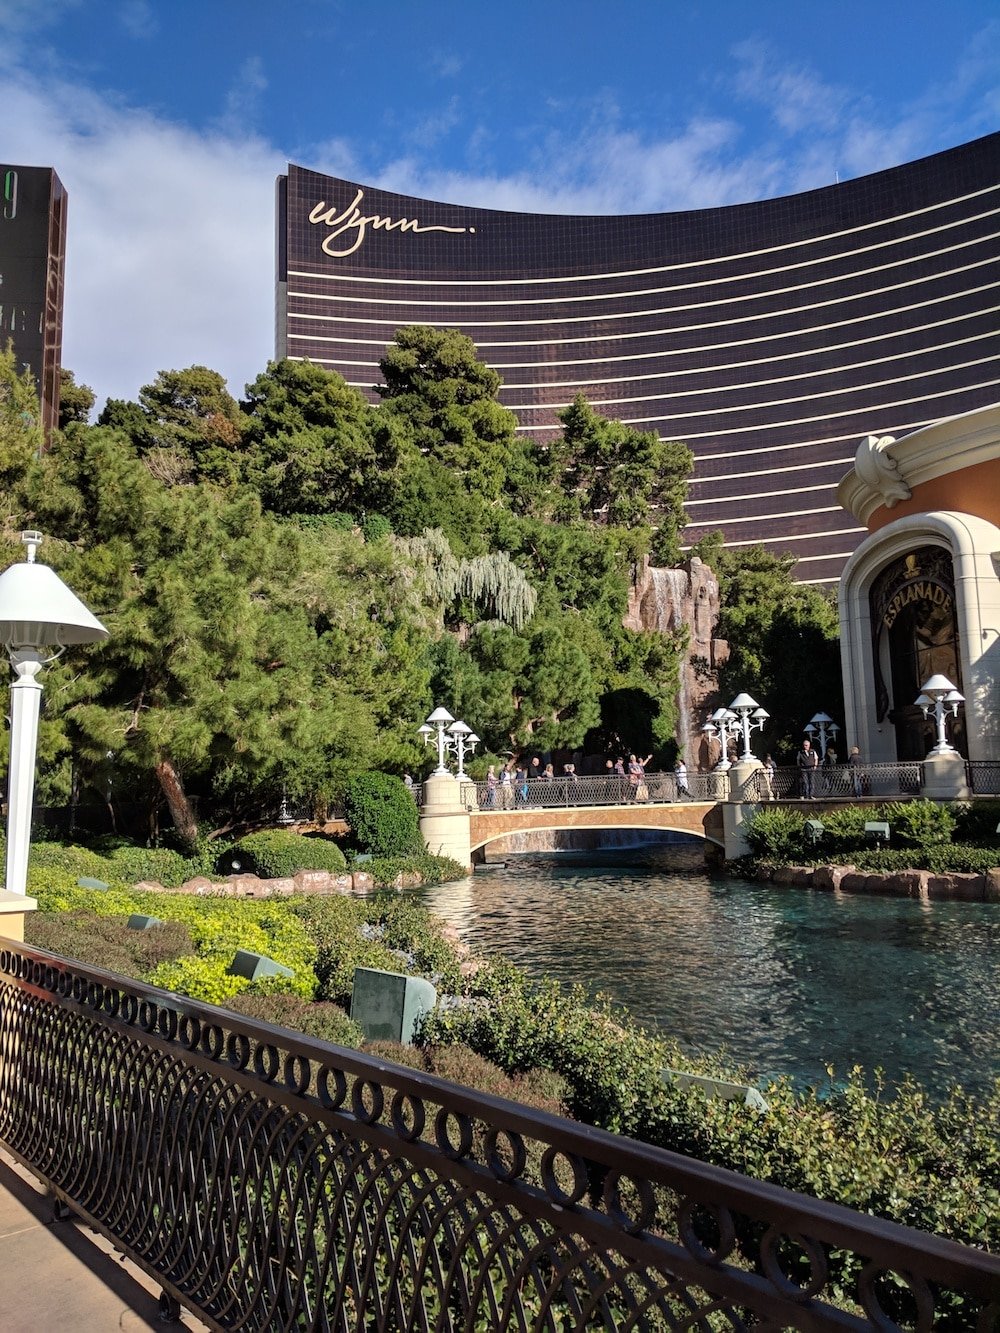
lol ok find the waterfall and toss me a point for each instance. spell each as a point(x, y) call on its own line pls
point(671, 593)
point(664, 601)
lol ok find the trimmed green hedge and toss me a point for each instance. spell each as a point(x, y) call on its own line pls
point(924, 832)
point(325, 1022)
point(280, 853)
point(385, 870)
point(383, 816)
point(216, 926)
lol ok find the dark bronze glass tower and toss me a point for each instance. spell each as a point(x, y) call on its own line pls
point(770, 336)
point(32, 267)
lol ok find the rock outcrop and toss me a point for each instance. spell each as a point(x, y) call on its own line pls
point(665, 601)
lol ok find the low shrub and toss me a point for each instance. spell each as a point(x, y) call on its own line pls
point(107, 941)
point(458, 1063)
point(844, 828)
point(324, 1021)
point(383, 816)
point(280, 853)
point(340, 934)
point(977, 822)
point(205, 979)
point(217, 927)
point(159, 865)
point(406, 927)
point(386, 870)
point(76, 861)
point(962, 860)
point(920, 823)
point(776, 832)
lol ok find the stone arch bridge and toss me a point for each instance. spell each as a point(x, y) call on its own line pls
point(700, 819)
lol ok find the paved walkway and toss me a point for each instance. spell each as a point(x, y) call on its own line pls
point(58, 1276)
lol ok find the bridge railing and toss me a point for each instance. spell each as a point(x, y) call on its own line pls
point(270, 1181)
point(839, 781)
point(984, 777)
point(660, 788)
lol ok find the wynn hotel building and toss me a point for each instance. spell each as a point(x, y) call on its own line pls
point(770, 337)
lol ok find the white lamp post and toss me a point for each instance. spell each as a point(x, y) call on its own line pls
point(751, 717)
point(823, 726)
point(463, 741)
point(720, 726)
point(449, 735)
point(941, 695)
point(39, 617)
point(436, 725)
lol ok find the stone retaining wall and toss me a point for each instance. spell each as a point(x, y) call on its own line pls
point(921, 884)
point(305, 882)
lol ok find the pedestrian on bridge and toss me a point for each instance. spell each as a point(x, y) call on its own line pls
point(808, 762)
point(767, 776)
point(681, 778)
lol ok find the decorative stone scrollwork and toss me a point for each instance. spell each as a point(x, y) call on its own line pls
point(879, 471)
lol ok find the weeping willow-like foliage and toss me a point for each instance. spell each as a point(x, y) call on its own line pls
point(492, 582)
point(431, 554)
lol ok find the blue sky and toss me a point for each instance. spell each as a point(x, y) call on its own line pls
point(169, 121)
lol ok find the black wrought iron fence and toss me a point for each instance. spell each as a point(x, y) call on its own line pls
point(272, 1182)
point(984, 777)
point(839, 781)
point(655, 788)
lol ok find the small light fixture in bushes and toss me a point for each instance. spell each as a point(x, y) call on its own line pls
point(139, 922)
point(877, 831)
point(814, 830)
point(85, 882)
point(253, 966)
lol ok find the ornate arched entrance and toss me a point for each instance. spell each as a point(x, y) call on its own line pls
point(915, 636)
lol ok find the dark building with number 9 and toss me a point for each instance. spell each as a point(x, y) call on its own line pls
point(770, 337)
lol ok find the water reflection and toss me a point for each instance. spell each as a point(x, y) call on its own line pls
point(786, 980)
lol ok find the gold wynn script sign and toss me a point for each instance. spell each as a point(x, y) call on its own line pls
point(353, 224)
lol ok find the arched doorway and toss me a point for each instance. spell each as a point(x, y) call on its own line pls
point(914, 636)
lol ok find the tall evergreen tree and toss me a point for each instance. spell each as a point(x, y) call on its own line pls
point(465, 454)
point(209, 668)
point(313, 444)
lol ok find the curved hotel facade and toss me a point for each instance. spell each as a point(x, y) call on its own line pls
point(769, 337)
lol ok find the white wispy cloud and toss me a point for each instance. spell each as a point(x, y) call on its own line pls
point(170, 237)
point(243, 98)
point(139, 19)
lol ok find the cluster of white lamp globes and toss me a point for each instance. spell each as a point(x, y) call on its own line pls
point(743, 716)
point(449, 735)
point(821, 729)
point(940, 695)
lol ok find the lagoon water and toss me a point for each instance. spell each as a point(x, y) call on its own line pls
point(788, 981)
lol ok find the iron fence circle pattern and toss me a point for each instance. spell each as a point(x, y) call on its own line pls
point(506, 1154)
point(913, 1283)
point(555, 1162)
point(644, 1217)
point(721, 1218)
point(408, 1116)
point(819, 1273)
point(260, 1178)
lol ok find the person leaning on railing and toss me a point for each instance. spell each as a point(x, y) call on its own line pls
point(854, 768)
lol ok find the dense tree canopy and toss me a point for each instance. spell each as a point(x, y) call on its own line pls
point(784, 642)
point(293, 580)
